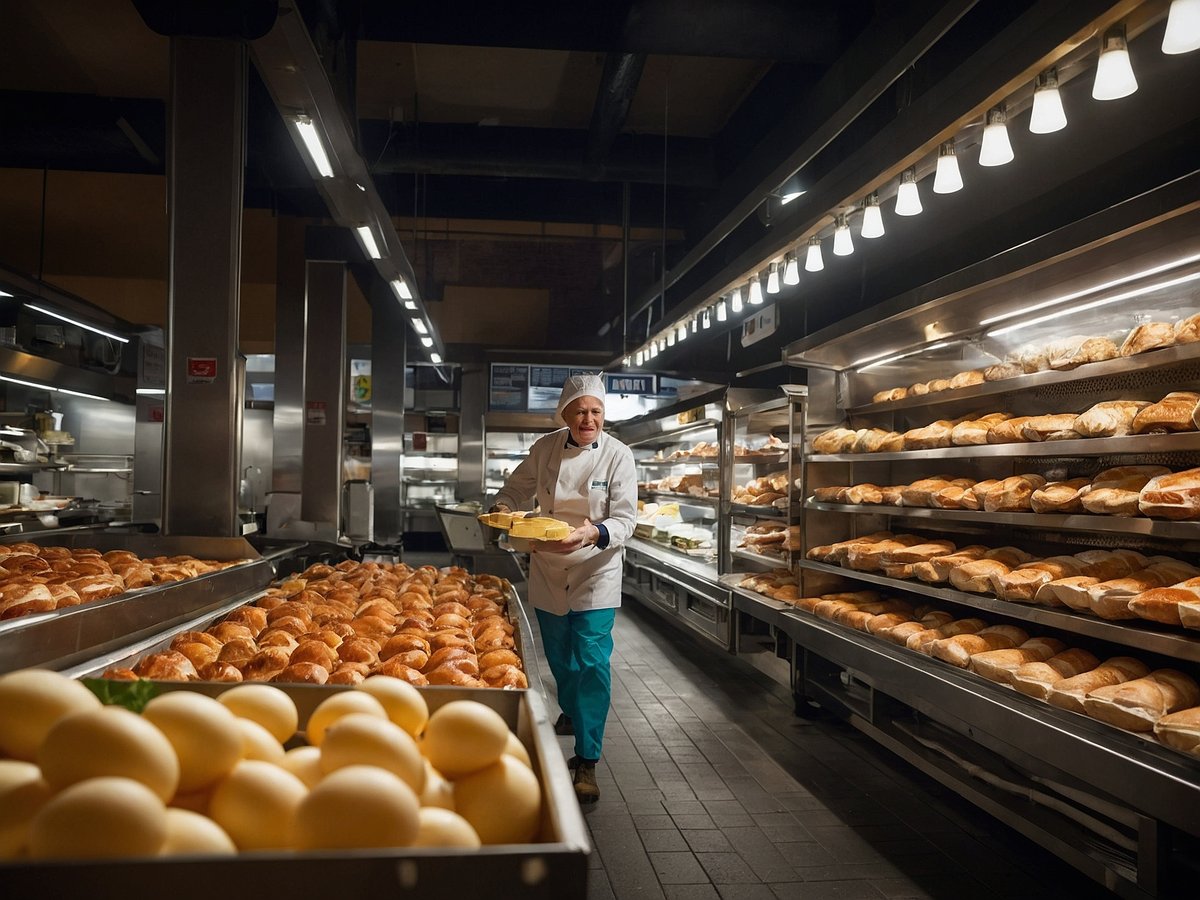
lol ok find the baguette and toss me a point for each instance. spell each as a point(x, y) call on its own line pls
point(1180, 730)
point(999, 665)
point(1069, 693)
point(1136, 705)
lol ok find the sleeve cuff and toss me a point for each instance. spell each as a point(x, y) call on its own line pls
point(602, 541)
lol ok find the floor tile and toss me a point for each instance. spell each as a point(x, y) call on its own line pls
point(678, 868)
point(662, 840)
point(727, 868)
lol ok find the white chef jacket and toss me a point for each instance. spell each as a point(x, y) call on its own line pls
point(572, 483)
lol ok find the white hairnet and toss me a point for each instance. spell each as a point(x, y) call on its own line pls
point(580, 386)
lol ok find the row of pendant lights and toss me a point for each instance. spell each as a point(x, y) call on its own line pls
point(1114, 79)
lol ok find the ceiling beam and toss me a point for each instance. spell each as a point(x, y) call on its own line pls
point(618, 84)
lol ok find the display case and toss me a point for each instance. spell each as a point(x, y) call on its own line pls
point(1025, 410)
point(507, 438)
point(429, 478)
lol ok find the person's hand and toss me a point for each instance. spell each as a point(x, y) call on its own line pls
point(500, 507)
point(583, 536)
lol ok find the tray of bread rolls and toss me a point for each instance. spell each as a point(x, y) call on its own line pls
point(69, 597)
point(380, 789)
point(341, 624)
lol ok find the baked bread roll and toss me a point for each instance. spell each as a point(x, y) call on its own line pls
point(922, 641)
point(1117, 492)
point(1021, 584)
point(966, 379)
point(1056, 427)
point(1008, 431)
point(1110, 599)
point(881, 396)
point(918, 552)
point(832, 494)
point(1187, 331)
point(1013, 494)
point(1112, 502)
point(833, 440)
point(869, 440)
point(1086, 350)
point(973, 498)
point(1002, 371)
point(1163, 604)
point(998, 665)
point(1180, 730)
point(1069, 691)
point(1136, 705)
point(937, 570)
point(1111, 418)
point(1130, 478)
point(1172, 495)
point(883, 621)
point(931, 437)
point(869, 494)
point(970, 433)
point(1062, 497)
point(919, 492)
point(869, 557)
point(949, 497)
point(1148, 336)
point(959, 649)
point(937, 385)
point(1173, 413)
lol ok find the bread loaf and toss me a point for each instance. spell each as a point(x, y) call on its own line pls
point(1111, 418)
point(1172, 496)
point(998, 665)
point(1136, 705)
point(1021, 584)
point(868, 557)
point(831, 494)
point(1180, 730)
point(970, 433)
point(920, 492)
point(937, 385)
point(1088, 350)
point(883, 621)
point(1059, 496)
point(1111, 502)
point(1002, 371)
point(1172, 413)
point(1040, 428)
point(882, 396)
point(1148, 336)
point(937, 570)
point(973, 498)
point(1038, 679)
point(1069, 692)
point(1071, 591)
point(834, 440)
point(1008, 431)
point(1110, 599)
point(918, 552)
point(959, 649)
point(1163, 604)
point(966, 379)
point(975, 577)
point(1187, 331)
point(950, 497)
point(863, 493)
point(1012, 494)
point(918, 390)
point(932, 437)
point(893, 443)
point(891, 495)
point(869, 439)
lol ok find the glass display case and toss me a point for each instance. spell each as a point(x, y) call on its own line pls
point(429, 478)
point(507, 438)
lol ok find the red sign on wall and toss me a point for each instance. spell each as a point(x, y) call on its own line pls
point(156, 414)
point(314, 412)
point(201, 369)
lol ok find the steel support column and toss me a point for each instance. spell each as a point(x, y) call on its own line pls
point(388, 361)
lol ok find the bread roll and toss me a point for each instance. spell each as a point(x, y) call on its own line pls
point(1021, 584)
point(920, 492)
point(831, 494)
point(973, 498)
point(950, 497)
point(879, 623)
point(1040, 679)
point(893, 443)
point(891, 495)
point(1062, 497)
point(931, 437)
point(1173, 413)
point(918, 390)
point(881, 396)
point(1136, 705)
point(966, 379)
point(1148, 336)
point(1110, 599)
point(1187, 331)
point(959, 649)
point(970, 433)
point(1180, 730)
point(1002, 371)
point(1173, 496)
point(998, 665)
point(869, 557)
point(937, 570)
point(1008, 431)
point(1112, 502)
point(1069, 692)
point(937, 385)
point(1039, 428)
point(870, 439)
point(975, 577)
point(1162, 604)
point(1111, 418)
point(1088, 350)
point(1012, 494)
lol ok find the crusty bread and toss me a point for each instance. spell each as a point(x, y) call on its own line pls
point(921, 491)
point(1136, 705)
point(1163, 604)
point(1087, 350)
point(1022, 583)
point(918, 552)
point(998, 665)
point(932, 437)
point(1069, 692)
point(937, 385)
point(1110, 599)
point(834, 440)
point(883, 621)
point(938, 569)
point(949, 497)
point(1013, 494)
point(966, 379)
point(869, 439)
point(969, 433)
point(1180, 730)
point(868, 557)
point(1173, 495)
point(1174, 412)
point(1110, 418)
point(1008, 431)
point(1071, 591)
point(975, 577)
point(1148, 336)
point(959, 649)
point(1110, 501)
point(1040, 428)
point(863, 493)
point(832, 494)
point(1002, 371)
point(1059, 496)
point(1116, 491)
point(919, 389)
point(1187, 331)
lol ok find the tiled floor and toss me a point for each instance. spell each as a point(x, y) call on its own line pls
point(712, 788)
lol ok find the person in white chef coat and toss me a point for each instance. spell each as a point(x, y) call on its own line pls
point(587, 479)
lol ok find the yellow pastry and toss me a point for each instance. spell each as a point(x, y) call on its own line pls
point(540, 528)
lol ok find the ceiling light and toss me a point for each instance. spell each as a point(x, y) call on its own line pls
point(995, 149)
point(947, 179)
point(307, 130)
point(790, 190)
point(791, 270)
point(843, 244)
point(368, 241)
point(419, 325)
point(908, 198)
point(872, 221)
point(682, 332)
point(722, 315)
point(871, 362)
point(81, 394)
point(813, 260)
point(5, 294)
point(735, 302)
point(400, 286)
point(435, 358)
point(1183, 27)
point(1048, 114)
point(1114, 73)
point(773, 278)
point(625, 362)
point(671, 338)
point(705, 319)
point(49, 312)
point(151, 392)
point(426, 341)
point(40, 387)
point(641, 357)
point(755, 290)
point(695, 324)
point(653, 349)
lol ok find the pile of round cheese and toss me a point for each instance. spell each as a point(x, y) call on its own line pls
point(193, 774)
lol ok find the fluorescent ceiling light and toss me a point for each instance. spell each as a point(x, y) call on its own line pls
point(419, 325)
point(1183, 27)
point(368, 241)
point(151, 392)
point(400, 286)
point(1127, 295)
point(84, 325)
point(870, 362)
point(426, 341)
point(81, 394)
point(307, 130)
point(5, 294)
point(40, 387)
point(1094, 289)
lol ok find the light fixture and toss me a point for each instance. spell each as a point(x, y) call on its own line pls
point(908, 198)
point(813, 260)
point(625, 362)
point(790, 190)
point(871, 362)
point(49, 312)
point(705, 319)
point(5, 294)
point(735, 301)
point(400, 286)
point(695, 324)
point(80, 394)
point(754, 291)
point(1048, 114)
point(151, 392)
point(843, 244)
point(653, 349)
point(773, 278)
point(722, 315)
point(641, 357)
point(995, 149)
point(1114, 73)
point(419, 325)
point(368, 241)
point(872, 220)
point(1183, 27)
point(426, 341)
point(947, 179)
point(46, 387)
point(307, 130)
point(682, 332)
point(435, 358)
point(791, 270)
point(671, 338)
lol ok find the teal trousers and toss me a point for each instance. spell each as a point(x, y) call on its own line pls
point(578, 648)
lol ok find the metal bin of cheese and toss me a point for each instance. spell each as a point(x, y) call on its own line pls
point(340, 624)
point(385, 786)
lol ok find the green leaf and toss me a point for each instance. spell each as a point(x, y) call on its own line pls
point(133, 695)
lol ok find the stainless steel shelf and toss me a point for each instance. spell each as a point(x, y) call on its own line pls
point(695, 566)
point(762, 512)
point(685, 499)
point(776, 561)
point(1143, 362)
point(1143, 635)
point(773, 459)
point(1139, 526)
point(703, 461)
point(1112, 446)
point(672, 436)
point(752, 603)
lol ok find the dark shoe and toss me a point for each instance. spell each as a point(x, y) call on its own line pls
point(586, 789)
point(573, 763)
point(563, 725)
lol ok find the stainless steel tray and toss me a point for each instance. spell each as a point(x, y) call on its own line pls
point(66, 637)
point(553, 868)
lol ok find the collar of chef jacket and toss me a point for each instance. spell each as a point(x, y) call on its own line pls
point(571, 442)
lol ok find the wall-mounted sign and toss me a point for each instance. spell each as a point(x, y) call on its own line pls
point(201, 369)
point(509, 387)
point(545, 386)
point(631, 384)
point(758, 326)
point(155, 413)
point(360, 382)
point(314, 412)
point(154, 366)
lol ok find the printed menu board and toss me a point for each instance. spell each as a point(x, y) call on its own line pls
point(545, 387)
point(509, 387)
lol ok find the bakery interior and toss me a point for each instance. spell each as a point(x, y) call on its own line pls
point(896, 305)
